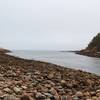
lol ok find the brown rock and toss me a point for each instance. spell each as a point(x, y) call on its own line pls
point(86, 94)
point(25, 97)
point(63, 82)
point(40, 96)
point(54, 92)
point(95, 98)
point(79, 94)
point(98, 94)
point(24, 87)
point(7, 90)
point(98, 91)
point(17, 90)
point(51, 75)
point(10, 97)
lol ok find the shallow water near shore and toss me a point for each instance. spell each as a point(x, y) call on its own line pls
point(66, 59)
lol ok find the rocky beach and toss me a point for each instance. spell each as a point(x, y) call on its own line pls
point(22, 79)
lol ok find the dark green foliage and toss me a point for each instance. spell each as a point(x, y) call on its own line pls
point(95, 43)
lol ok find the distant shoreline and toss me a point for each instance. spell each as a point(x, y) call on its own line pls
point(89, 54)
point(70, 51)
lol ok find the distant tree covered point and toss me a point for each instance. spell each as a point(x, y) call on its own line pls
point(95, 43)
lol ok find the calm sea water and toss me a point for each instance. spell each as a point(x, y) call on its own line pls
point(67, 59)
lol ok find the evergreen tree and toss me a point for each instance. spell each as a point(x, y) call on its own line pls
point(95, 43)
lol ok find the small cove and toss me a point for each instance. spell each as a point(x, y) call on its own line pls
point(66, 59)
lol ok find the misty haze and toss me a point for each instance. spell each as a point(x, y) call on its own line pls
point(48, 24)
point(50, 50)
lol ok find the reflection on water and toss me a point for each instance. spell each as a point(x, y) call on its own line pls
point(67, 59)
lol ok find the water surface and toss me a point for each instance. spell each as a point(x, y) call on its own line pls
point(67, 59)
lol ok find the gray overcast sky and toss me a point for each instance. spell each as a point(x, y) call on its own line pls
point(48, 24)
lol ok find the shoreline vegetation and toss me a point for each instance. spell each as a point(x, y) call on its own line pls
point(22, 79)
point(93, 48)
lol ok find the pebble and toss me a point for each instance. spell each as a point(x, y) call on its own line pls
point(86, 94)
point(7, 90)
point(63, 82)
point(40, 96)
point(48, 95)
point(75, 97)
point(79, 94)
point(30, 80)
point(37, 72)
point(17, 90)
point(1, 93)
point(98, 91)
point(26, 97)
point(51, 75)
point(92, 93)
point(54, 92)
point(10, 97)
point(94, 98)
point(98, 94)
point(64, 98)
point(1, 77)
point(24, 87)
